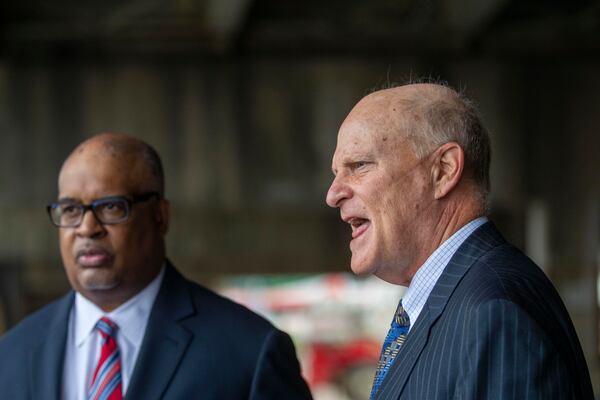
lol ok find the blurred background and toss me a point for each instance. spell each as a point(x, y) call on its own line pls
point(243, 100)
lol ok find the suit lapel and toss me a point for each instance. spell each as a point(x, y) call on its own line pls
point(480, 241)
point(407, 357)
point(165, 340)
point(47, 357)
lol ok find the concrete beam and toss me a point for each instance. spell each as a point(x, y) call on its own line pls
point(467, 17)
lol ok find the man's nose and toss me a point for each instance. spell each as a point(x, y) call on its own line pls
point(338, 191)
point(90, 226)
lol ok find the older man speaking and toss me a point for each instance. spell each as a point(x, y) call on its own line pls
point(479, 320)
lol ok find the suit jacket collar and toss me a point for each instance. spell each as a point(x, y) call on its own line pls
point(480, 241)
point(165, 340)
point(163, 346)
point(47, 357)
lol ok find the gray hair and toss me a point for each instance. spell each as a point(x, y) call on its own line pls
point(451, 117)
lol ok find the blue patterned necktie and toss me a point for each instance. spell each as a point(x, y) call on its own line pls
point(391, 346)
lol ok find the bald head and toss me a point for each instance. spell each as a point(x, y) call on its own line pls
point(430, 115)
point(127, 154)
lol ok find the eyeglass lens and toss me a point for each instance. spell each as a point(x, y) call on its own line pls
point(106, 210)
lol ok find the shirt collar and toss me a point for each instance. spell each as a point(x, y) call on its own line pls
point(428, 274)
point(129, 316)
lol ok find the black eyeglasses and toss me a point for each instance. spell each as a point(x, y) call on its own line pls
point(107, 210)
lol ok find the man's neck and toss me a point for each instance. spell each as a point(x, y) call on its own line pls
point(443, 224)
point(455, 214)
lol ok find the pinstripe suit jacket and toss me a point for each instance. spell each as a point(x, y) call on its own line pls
point(493, 327)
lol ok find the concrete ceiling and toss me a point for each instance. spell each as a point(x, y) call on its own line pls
point(226, 27)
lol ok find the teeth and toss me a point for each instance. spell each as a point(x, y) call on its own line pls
point(356, 222)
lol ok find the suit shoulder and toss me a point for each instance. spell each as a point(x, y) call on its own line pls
point(31, 329)
point(506, 274)
point(516, 273)
point(219, 307)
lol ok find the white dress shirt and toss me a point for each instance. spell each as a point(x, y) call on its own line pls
point(427, 276)
point(84, 342)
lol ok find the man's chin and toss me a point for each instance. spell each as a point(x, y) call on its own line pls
point(94, 280)
point(99, 286)
point(361, 267)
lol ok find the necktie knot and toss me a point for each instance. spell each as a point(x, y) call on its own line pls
point(106, 327)
point(401, 317)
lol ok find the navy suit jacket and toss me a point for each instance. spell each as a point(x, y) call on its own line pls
point(493, 327)
point(197, 345)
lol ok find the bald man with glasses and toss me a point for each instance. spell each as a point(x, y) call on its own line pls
point(133, 327)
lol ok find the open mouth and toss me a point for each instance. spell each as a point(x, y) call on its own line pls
point(359, 226)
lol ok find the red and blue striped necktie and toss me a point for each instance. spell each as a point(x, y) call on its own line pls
point(106, 381)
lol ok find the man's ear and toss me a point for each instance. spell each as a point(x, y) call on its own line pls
point(447, 168)
point(163, 215)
